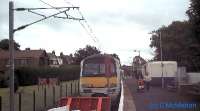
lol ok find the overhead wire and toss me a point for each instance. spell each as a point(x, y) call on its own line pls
point(22, 9)
point(87, 28)
point(55, 15)
point(44, 18)
point(67, 15)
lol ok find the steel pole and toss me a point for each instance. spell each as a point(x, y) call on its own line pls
point(161, 58)
point(11, 51)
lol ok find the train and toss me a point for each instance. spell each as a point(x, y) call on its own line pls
point(100, 76)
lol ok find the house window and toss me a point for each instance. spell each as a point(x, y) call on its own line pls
point(4, 62)
point(17, 62)
point(28, 61)
point(23, 62)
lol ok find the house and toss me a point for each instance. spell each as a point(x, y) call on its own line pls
point(60, 60)
point(66, 59)
point(4, 56)
point(137, 64)
point(53, 59)
point(24, 58)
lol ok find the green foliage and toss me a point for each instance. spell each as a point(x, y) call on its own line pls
point(174, 38)
point(29, 76)
point(177, 45)
point(194, 18)
point(116, 56)
point(181, 40)
point(4, 44)
point(85, 52)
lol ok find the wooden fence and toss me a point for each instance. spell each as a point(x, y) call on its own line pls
point(39, 98)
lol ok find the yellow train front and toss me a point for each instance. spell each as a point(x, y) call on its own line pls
point(100, 76)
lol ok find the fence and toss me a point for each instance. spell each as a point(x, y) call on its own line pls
point(39, 98)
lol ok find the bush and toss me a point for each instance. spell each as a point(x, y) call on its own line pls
point(30, 75)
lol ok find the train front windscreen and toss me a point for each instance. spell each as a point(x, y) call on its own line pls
point(99, 69)
point(94, 69)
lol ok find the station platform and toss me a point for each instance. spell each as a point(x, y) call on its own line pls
point(126, 101)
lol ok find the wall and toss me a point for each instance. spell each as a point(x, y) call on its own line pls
point(194, 77)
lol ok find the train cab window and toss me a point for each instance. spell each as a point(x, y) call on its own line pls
point(94, 69)
point(102, 68)
point(112, 69)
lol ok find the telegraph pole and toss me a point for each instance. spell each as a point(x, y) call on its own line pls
point(11, 54)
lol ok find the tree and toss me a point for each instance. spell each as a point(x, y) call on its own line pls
point(4, 44)
point(181, 40)
point(177, 44)
point(194, 18)
point(116, 56)
point(174, 38)
point(85, 52)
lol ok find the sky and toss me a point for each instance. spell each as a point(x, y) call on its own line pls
point(118, 26)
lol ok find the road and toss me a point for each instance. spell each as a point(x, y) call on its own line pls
point(156, 95)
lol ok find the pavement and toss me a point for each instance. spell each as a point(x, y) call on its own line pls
point(128, 104)
point(147, 100)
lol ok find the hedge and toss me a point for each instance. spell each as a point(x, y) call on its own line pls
point(30, 75)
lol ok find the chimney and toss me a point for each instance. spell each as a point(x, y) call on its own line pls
point(61, 54)
point(53, 52)
point(27, 49)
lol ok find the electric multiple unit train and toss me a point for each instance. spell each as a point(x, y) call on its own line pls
point(100, 76)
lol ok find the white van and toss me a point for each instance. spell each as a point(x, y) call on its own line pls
point(159, 69)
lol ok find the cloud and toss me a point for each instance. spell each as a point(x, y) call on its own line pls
point(120, 25)
point(149, 14)
point(25, 17)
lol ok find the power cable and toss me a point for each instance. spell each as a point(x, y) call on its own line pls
point(23, 9)
point(46, 17)
point(87, 31)
point(67, 15)
point(24, 26)
point(37, 13)
point(87, 28)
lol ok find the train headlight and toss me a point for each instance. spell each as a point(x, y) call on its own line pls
point(113, 85)
point(111, 90)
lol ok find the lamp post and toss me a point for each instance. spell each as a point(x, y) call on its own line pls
point(161, 55)
point(161, 59)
